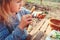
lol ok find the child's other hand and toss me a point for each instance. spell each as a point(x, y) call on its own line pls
point(29, 37)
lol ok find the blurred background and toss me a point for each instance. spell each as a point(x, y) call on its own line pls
point(53, 6)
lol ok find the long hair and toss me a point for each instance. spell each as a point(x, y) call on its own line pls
point(5, 12)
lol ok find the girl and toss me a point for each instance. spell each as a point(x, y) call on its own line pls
point(10, 27)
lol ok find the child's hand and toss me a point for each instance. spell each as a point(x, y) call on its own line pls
point(26, 20)
point(29, 37)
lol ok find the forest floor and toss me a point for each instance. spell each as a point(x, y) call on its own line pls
point(49, 6)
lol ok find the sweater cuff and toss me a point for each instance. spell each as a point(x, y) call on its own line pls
point(18, 32)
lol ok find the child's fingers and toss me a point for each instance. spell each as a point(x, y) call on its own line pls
point(29, 22)
point(28, 16)
point(29, 19)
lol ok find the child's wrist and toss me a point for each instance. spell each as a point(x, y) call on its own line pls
point(21, 27)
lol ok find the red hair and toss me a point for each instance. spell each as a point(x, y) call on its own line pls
point(4, 11)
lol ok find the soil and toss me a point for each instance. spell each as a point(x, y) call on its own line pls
point(55, 10)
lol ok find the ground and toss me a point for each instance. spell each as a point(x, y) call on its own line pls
point(48, 5)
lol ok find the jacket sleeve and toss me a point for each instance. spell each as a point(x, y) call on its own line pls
point(17, 34)
point(26, 11)
point(22, 12)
